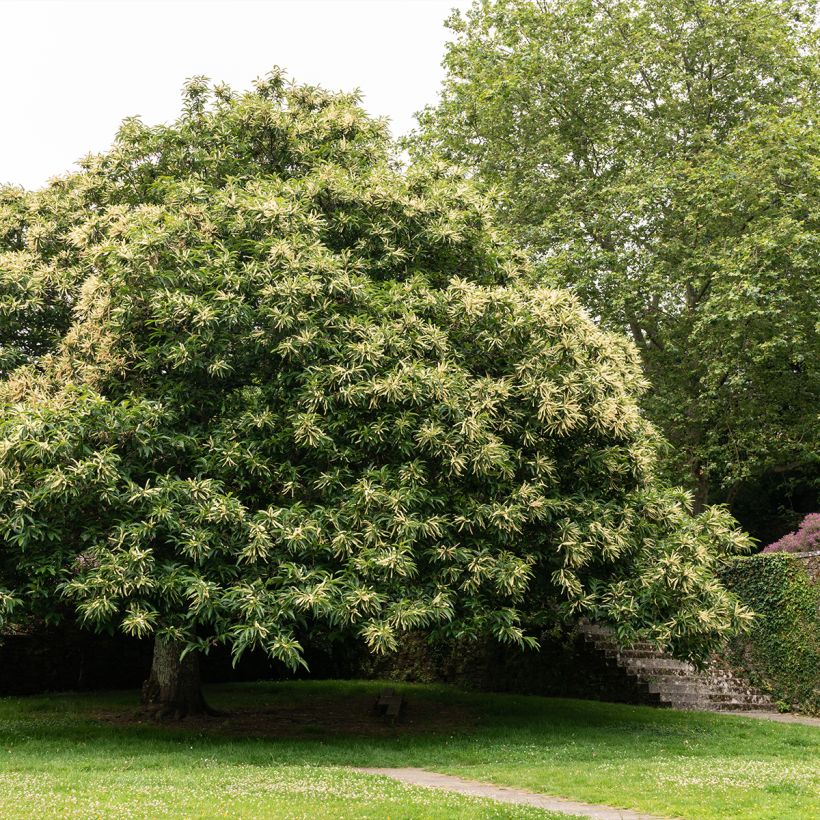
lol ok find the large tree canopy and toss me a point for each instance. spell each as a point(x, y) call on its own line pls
point(660, 158)
point(298, 386)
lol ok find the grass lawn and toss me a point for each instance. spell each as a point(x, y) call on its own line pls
point(80, 756)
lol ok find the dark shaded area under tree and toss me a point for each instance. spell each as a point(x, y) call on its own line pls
point(67, 658)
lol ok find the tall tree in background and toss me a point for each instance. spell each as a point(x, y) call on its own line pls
point(289, 387)
point(660, 158)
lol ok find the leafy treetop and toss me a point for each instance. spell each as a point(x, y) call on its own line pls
point(660, 158)
point(295, 387)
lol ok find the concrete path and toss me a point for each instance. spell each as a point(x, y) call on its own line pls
point(778, 717)
point(504, 794)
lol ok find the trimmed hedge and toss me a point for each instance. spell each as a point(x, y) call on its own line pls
point(781, 654)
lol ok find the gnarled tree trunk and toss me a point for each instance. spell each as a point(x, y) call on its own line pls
point(174, 688)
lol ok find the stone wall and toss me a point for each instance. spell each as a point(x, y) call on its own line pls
point(811, 561)
point(565, 666)
point(72, 659)
point(66, 658)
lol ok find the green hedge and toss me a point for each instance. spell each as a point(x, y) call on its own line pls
point(781, 654)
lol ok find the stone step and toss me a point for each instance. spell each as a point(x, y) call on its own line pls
point(724, 697)
point(662, 665)
point(594, 629)
point(610, 644)
point(711, 701)
point(604, 638)
point(683, 700)
point(690, 707)
point(686, 697)
point(682, 686)
point(638, 650)
point(653, 674)
point(676, 683)
point(741, 706)
point(699, 707)
point(633, 653)
point(740, 692)
point(753, 700)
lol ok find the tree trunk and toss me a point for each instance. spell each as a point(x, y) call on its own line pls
point(174, 688)
point(701, 494)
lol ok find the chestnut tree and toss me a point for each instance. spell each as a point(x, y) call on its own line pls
point(294, 386)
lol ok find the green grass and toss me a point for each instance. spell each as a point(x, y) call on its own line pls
point(57, 760)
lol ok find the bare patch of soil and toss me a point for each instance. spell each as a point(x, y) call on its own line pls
point(317, 717)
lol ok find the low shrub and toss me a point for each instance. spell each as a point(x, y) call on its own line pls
point(781, 654)
point(805, 539)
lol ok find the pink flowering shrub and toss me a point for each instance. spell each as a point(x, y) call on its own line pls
point(805, 539)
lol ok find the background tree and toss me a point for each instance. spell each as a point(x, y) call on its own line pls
point(301, 388)
point(660, 158)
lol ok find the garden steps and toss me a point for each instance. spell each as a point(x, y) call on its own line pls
point(675, 683)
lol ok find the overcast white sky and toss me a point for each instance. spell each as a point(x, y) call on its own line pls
point(71, 70)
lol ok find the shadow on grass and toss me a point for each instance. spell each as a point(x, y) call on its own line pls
point(332, 722)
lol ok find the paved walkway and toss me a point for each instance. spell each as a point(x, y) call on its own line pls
point(777, 717)
point(473, 788)
point(505, 794)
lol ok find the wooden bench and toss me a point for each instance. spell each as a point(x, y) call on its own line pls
point(389, 705)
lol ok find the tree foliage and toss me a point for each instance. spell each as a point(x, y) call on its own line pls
point(38, 268)
point(300, 387)
point(660, 158)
